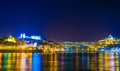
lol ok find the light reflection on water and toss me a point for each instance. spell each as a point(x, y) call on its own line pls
point(59, 62)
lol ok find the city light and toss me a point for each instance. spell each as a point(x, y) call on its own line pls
point(36, 37)
point(23, 36)
point(24, 42)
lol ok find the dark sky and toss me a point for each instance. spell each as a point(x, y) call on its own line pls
point(61, 20)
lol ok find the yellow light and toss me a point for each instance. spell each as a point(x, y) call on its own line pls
point(11, 39)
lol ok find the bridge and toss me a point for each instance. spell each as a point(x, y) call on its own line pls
point(77, 44)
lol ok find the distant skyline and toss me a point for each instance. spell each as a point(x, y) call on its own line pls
point(63, 20)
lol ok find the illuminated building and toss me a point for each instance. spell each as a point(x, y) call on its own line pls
point(11, 39)
point(30, 39)
point(108, 40)
point(23, 36)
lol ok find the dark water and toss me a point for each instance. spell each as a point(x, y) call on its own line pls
point(59, 62)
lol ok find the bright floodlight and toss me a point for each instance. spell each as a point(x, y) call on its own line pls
point(35, 44)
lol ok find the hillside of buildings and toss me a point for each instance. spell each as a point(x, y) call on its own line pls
point(36, 43)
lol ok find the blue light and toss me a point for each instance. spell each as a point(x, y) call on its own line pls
point(22, 35)
point(36, 37)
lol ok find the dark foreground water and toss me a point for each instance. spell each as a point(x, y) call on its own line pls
point(60, 62)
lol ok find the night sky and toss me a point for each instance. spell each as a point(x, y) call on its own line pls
point(61, 20)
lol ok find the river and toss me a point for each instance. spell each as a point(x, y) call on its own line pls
point(60, 62)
